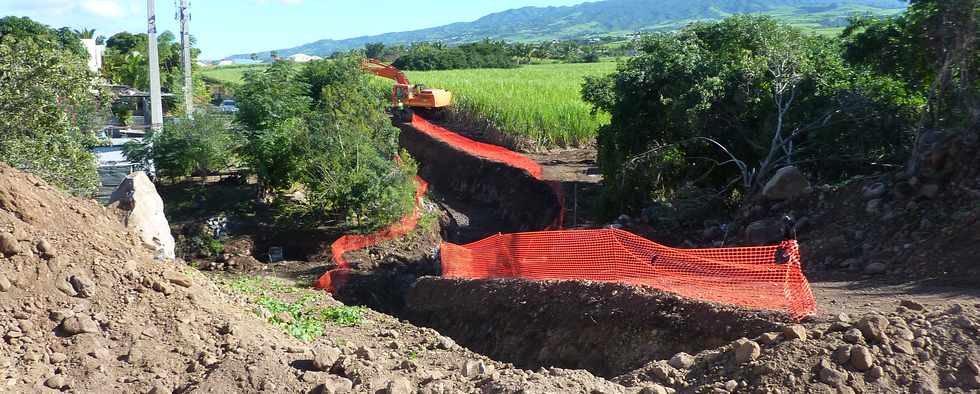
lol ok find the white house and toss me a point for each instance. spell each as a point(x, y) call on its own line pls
point(95, 52)
point(303, 58)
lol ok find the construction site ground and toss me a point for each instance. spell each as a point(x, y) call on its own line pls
point(85, 308)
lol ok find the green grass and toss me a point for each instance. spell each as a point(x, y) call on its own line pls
point(539, 103)
point(294, 309)
point(231, 75)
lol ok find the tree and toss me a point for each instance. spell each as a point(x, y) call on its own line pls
point(200, 146)
point(722, 105)
point(46, 106)
point(85, 33)
point(254, 57)
point(374, 50)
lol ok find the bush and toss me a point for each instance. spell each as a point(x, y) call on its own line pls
point(435, 56)
point(200, 146)
point(323, 129)
point(722, 105)
point(46, 105)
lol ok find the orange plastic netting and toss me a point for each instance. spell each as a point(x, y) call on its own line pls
point(335, 279)
point(767, 278)
point(475, 148)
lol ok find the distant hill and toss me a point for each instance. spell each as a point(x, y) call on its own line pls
point(609, 17)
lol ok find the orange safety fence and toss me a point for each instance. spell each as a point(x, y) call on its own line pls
point(495, 153)
point(768, 278)
point(336, 278)
point(475, 148)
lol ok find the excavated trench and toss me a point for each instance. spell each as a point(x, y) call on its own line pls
point(605, 328)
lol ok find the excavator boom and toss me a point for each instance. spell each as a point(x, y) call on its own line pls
point(403, 93)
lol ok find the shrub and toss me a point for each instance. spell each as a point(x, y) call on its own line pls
point(436, 56)
point(722, 105)
point(189, 147)
point(46, 105)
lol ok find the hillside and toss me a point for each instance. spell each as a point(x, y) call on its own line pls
point(609, 17)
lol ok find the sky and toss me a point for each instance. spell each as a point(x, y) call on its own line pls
point(227, 27)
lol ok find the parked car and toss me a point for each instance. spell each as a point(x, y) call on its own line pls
point(228, 106)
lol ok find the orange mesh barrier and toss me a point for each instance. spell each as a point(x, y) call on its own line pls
point(766, 278)
point(491, 152)
point(486, 151)
point(335, 279)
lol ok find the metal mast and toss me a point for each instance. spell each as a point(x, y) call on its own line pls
point(185, 41)
point(156, 119)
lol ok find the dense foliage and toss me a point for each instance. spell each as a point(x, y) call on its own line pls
point(200, 146)
point(437, 56)
point(47, 105)
point(126, 63)
point(323, 130)
point(723, 105)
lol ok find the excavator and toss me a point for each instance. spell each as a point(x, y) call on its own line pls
point(406, 97)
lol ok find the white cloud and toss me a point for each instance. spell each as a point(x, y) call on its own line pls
point(98, 8)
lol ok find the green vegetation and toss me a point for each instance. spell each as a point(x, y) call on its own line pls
point(200, 146)
point(717, 108)
point(126, 63)
point(295, 309)
point(539, 103)
point(47, 106)
point(438, 56)
point(230, 75)
point(323, 129)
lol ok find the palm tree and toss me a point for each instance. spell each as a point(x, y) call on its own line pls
point(85, 33)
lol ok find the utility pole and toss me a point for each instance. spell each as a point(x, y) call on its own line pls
point(185, 41)
point(156, 103)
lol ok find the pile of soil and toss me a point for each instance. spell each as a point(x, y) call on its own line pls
point(85, 308)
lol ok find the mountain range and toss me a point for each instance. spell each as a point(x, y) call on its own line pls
point(608, 17)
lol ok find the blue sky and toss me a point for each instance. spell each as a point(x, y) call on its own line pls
point(226, 27)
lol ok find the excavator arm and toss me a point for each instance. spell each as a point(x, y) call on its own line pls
point(381, 69)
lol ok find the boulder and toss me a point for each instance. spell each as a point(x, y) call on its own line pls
point(861, 358)
point(682, 361)
point(142, 211)
point(764, 232)
point(746, 351)
point(788, 183)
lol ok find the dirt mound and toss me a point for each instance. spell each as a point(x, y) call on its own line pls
point(606, 328)
point(915, 349)
point(84, 308)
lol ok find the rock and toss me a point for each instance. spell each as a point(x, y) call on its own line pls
point(842, 354)
point(731, 385)
point(161, 287)
point(180, 280)
point(970, 366)
point(365, 353)
point(903, 347)
point(746, 350)
point(5, 284)
point(56, 382)
point(873, 191)
point(59, 315)
point(769, 338)
point(682, 361)
point(853, 336)
point(284, 317)
point(83, 286)
point(143, 211)
point(787, 184)
point(873, 206)
point(764, 232)
point(873, 327)
point(9, 245)
point(399, 385)
point(336, 385)
point(861, 358)
point(159, 388)
point(81, 324)
point(324, 359)
point(653, 389)
point(930, 191)
point(795, 331)
point(875, 373)
point(45, 249)
point(829, 375)
point(445, 343)
point(875, 268)
point(912, 305)
point(57, 358)
point(474, 368)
